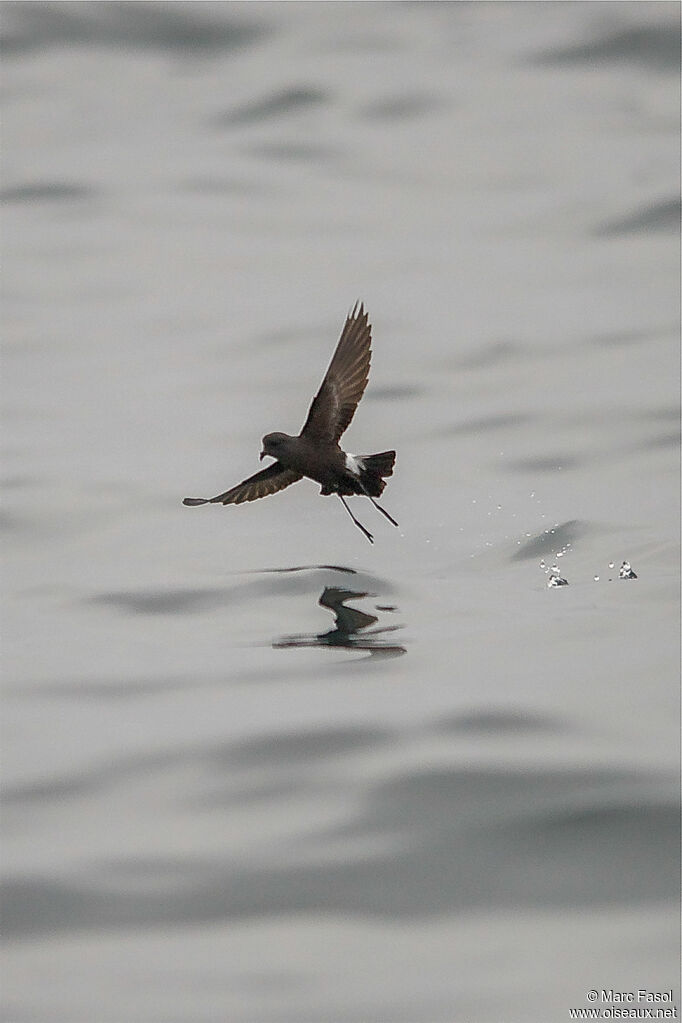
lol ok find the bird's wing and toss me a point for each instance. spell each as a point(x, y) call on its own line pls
point(267, 481)
point(344, 382)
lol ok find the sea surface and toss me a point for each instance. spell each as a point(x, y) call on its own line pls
point(461, 803)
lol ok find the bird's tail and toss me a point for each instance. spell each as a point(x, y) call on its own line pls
point(374, 468)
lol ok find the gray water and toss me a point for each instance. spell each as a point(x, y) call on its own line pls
point(205, 822)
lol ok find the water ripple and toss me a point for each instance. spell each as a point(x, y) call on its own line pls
point(654, 47)
point(277, 105)
point(658, 216)
point(142, 26)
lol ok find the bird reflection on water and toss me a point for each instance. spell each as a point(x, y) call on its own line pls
point(351, 627)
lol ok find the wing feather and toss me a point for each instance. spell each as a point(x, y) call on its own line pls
point(344, 382)
point(262, 484)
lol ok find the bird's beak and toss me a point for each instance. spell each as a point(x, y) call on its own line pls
point(262, 454)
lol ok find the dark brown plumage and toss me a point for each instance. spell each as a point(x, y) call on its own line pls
point(315, 452)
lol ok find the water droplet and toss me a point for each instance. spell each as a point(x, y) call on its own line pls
point(611, 564)
point(596, 578)
point(543, 564)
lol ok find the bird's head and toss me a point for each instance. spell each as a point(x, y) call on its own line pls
point(274, 444)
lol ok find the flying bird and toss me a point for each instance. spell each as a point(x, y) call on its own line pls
point(315, 452)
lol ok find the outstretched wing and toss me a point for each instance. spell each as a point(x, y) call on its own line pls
point(267, 481)
point(344, 382)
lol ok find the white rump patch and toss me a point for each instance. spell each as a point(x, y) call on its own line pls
point(354, 464)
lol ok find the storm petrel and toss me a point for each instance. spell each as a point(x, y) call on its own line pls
point(315, 452)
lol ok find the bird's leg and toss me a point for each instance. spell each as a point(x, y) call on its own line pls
point(382, 510)
point(358, 524)
point(376, 505)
